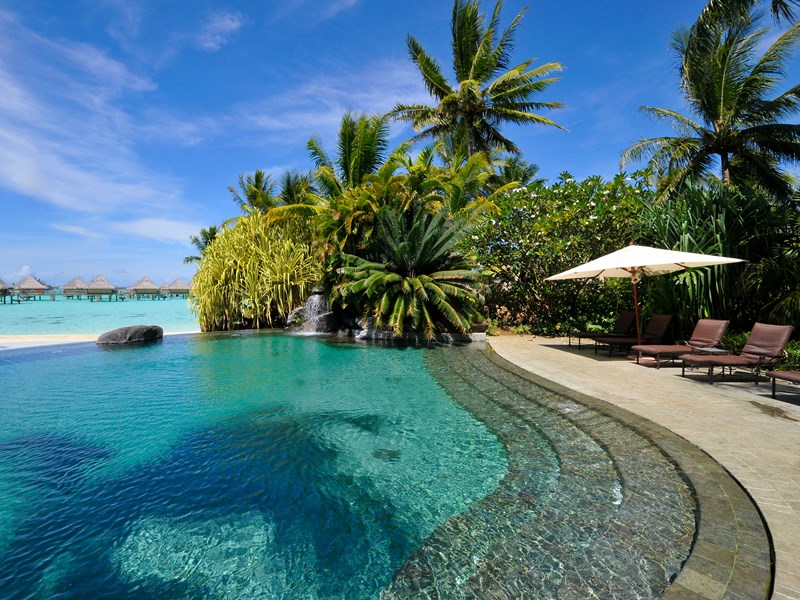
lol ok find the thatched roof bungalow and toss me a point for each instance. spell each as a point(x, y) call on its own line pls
point(179, 287)
point(30, 287)
point(100, 286)
point(75, 287)
point(6, 289)
point(144, 287)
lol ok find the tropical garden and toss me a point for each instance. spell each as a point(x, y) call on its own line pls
point(453, 227)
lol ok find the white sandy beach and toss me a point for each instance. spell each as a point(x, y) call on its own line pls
point(13, 342)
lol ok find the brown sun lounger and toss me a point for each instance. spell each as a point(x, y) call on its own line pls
point(707, 334)
point(790, 376)
point(622, 328)
point(763, 350)
point(654, 333)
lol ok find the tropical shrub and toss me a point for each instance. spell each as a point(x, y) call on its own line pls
point(252, 275)
point(723, 220)
point(543, 230)
point(417, 282)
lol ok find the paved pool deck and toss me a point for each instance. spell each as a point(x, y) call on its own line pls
point(756, 438)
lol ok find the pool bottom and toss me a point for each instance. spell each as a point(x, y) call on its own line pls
point(680, 525)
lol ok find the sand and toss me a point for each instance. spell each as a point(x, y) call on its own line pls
point(13, 342)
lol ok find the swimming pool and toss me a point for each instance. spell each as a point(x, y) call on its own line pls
point(70, 316)
point(267, 465)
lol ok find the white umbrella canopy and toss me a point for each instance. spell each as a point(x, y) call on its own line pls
point(636, 262)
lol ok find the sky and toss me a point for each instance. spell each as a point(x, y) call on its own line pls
point(123, 122)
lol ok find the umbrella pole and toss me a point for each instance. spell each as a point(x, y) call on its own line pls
point(636, 312)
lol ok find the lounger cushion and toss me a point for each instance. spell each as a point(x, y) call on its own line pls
point(793, 376)
point(725, 360)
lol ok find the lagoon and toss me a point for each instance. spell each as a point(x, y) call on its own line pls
point(64, 316)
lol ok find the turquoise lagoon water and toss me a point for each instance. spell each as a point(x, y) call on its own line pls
point(70, 316)
point(210, 466)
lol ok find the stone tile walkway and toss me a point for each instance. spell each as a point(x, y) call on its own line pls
point(756, 438)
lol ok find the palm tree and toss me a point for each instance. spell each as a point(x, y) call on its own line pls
point(740, 130)
point(418, 282)
point(514, 170)
point(362, 143)
point(733, 10)
point(487, 93)
point(201, 242)
point(256, 192)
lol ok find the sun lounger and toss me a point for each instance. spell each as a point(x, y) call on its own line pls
point(622, 328)
point(763, 350)
point(707, 334)
point(654, 332)
point(790, 376)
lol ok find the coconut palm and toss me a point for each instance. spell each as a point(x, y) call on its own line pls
point(487, 93)
point(201, 242)
point(418, 282)
point(361, 145)
point(256, 191)
point(740, 129)
point(733, 10)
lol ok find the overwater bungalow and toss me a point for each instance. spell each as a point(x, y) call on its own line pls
point(179, 288)
point(6, 291)
point(31, 288)
point(75, 288)
point(100, 287)
point(144, 288)
point(163, 290)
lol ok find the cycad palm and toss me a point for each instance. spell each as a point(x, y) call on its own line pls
point(725, 83)
point(487, 93)
point(418, 282)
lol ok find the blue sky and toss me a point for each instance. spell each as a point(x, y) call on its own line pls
point(122, 122)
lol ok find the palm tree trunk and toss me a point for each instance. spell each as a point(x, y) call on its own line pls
point(726, 168)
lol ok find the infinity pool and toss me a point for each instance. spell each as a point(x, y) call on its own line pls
point(274, 466)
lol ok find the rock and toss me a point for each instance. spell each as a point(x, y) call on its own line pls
point(131, 335)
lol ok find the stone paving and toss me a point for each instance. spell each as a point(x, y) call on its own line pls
point(756, 438)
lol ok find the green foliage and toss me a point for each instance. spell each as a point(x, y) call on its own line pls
point(201, 242)
point(722, 220)
point(417, 282)
point(487, 91)
point(256, 192)
point(252, 275)
point(544, 230)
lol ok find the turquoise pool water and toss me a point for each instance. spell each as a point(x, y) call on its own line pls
point(70, 316)
point(245, 466)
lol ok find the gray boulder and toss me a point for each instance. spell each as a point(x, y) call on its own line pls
point(131, 335)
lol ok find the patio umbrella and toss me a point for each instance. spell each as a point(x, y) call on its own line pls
point(636, 262)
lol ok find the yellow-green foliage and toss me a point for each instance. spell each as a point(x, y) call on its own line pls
point(252, 275)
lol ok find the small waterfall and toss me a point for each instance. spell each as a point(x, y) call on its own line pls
point(317, 315)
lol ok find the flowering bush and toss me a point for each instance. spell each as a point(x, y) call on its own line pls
point(543, 230)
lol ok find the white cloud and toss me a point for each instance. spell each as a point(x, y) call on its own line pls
point(83, 232)
point(163, 230)
point(64, 139)
point(337, 6)
point(316, 107)
point(15, 276)
point(218, 29)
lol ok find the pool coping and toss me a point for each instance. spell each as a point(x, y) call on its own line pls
point(733, 554)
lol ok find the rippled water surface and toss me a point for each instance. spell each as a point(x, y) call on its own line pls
point(256, 466)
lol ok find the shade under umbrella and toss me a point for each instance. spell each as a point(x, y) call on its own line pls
point(636, 262)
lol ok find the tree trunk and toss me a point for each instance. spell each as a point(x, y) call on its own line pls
point(726, 168)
